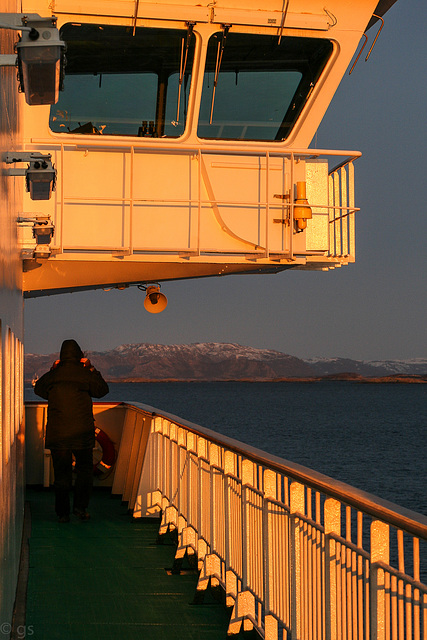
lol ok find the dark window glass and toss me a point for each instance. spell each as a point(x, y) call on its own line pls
point(120, 83)
point(261, 84)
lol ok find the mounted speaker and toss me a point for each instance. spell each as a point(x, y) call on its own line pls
point(155, 302)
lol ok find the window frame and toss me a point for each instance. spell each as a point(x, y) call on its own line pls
point(122, 137)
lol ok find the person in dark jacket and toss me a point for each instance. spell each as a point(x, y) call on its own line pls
point(69, 388)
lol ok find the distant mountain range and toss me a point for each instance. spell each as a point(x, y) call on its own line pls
point(218, 361)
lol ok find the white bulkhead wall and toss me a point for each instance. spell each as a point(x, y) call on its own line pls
point(11, 339)
point(146, 200)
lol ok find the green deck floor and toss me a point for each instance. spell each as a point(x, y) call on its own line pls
point(106, 579)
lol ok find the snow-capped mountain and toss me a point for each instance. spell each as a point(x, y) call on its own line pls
point(200, 361)
point(330, 366)
point(219, 361)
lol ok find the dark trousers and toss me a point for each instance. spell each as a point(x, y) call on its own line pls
point(63, 467)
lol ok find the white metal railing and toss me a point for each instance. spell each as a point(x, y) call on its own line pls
point(340, 208)
point(298, 555)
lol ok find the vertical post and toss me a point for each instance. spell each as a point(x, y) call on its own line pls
point(199, 198)
point(132, 169)
point(244, 609)
point(337, 215)
point(204, 490)
point(331, 214)
point(271, 556)
point(297, 506)
point(380, 552)
point(136, 482)
point(291, 211)
point(267, 169)
point(231, 529)
point(344, 212)
point(217, 499)
point(61, 223)
point(247, 484)
point(351, 230)
point(332, 510)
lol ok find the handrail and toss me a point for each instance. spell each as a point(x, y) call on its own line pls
point(399, 516)
point(81, 143)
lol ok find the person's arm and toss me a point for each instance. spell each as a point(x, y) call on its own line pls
point(98, 386)
point(41, 388)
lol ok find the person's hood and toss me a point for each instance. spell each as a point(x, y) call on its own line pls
point(70, 350)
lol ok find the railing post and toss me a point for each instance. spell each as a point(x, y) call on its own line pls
point(380, 552)
point(233, 533)
point(267, 210)
point(297, 506)
point(332, 511)
point(243, 614)
point(352, 248)
point(344, 211)
point(271, 627)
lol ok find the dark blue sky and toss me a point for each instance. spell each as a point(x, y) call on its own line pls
point(374, 309)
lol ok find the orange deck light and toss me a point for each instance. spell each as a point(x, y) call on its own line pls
point(302, 210)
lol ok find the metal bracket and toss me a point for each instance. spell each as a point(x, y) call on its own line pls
point(43, 232)
point(8, 60)
point(26, 156)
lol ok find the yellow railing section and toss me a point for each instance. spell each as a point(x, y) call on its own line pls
point(297, 554)
point(242, 189)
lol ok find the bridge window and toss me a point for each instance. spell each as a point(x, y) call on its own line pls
point(255, 87)
point(118, 82)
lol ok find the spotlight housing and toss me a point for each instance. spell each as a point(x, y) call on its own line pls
point(40, 178)
point(41, 61)
point(40, 174)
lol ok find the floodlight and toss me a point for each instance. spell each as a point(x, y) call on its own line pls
point(43, 230)
point(40, 62)
point(40, 175)
point(40, 178)
point(42, 252)
point(40, 56)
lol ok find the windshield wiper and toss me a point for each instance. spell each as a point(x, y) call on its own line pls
point(183, 62)
point(220, 51)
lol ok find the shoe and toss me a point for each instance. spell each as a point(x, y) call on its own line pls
point(63, 519)
point(82, 514)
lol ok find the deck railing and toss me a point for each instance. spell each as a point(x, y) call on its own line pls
point(297, 554)
point(337, 204)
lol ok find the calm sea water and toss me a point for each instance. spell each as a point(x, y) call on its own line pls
point(373, 436)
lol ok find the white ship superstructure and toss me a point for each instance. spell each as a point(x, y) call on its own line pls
point(181, 142)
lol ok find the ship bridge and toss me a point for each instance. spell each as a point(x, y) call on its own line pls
point(181, 143)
